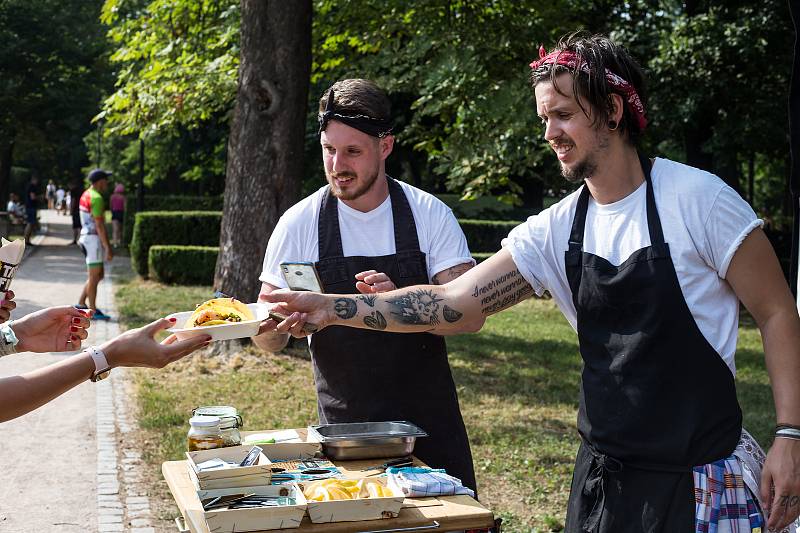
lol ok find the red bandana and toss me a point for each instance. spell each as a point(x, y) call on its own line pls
point(570, 60)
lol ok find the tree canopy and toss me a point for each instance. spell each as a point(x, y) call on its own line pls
point(53, 71)
point(456, 71)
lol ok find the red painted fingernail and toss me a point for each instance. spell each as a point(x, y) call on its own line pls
point(73, 329)
point(173, 319)
point(74, 337)
point(76, 320)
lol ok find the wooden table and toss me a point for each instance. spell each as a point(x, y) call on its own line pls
point(450, 512)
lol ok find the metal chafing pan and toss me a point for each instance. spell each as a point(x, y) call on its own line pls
point(366, 440)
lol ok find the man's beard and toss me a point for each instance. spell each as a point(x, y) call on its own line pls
point(585, 169)
point(581, 171)
point(351, 194)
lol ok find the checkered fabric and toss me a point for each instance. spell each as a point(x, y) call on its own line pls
point(723, 503)
point(419, 482)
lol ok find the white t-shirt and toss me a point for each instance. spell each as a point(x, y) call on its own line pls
point(367, 234)
point(704, 222)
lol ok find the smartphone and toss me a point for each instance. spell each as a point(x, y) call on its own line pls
point(301, 276)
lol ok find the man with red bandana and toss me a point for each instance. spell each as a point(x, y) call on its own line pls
point(648, 261)
point(369, 233)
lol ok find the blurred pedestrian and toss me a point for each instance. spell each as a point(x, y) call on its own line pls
point(50, 193)
point(16, 211)
point(31, 208)
point(94, 239)
point(117, 214)
point(75, 191)
point(60, 205)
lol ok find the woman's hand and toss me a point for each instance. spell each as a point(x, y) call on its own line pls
point(138, 347)
point(6, 306)
point(54, 329)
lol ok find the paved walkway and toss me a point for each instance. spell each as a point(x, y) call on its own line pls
point(62, 467)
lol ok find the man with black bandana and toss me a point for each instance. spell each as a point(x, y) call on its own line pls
point(369, 233)
point(648, 261)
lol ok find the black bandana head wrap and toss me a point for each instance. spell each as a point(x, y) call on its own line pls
point(376, 127)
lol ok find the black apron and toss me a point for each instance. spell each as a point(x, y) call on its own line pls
point(656, 398)
point(372, 376)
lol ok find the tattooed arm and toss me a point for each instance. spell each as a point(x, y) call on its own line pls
point(449, 274)
point(459, 306)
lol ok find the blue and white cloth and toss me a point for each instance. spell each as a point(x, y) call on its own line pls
point(726, 492)
point(419, 482)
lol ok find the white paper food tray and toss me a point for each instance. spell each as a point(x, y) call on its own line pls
point(357, 510)
point(245, 476)
point(256, 519)
point(221, 332)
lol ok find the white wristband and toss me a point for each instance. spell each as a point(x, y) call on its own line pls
point(101, 367)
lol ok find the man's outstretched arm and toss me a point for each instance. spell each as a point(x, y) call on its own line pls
point(461, 305)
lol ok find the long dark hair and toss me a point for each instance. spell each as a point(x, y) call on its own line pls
point(599, 53)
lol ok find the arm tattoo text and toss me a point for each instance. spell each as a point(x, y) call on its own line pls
point(501, 292)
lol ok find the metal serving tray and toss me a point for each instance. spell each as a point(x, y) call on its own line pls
point(366, 440)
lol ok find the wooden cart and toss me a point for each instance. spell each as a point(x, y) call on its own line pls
point(446, 513)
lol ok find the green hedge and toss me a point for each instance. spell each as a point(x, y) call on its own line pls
point(484, 207)
point(485, 235)
point(167, 202)
point(199, 228)
point(183, 265)
point(480, 257)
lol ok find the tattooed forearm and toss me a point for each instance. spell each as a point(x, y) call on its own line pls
point(368, 299)
point(375, 320)
point(502, 292)
point(450, 314)
point(345, 308)
point(413, 309)
point(451, 273)
point(416, 307)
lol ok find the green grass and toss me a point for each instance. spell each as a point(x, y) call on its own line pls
point(139, 302)
point(517, 382)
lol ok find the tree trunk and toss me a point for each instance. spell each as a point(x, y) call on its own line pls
point(265, 149)
point(6, 160)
